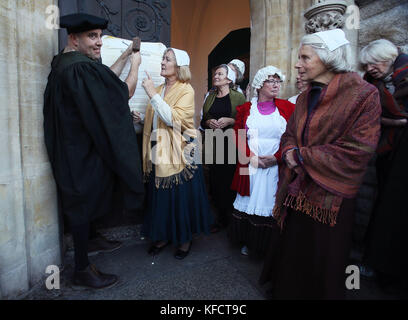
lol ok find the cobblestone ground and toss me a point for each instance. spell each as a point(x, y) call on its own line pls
point(214, 270)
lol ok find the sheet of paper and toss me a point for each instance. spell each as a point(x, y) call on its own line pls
point(151, 53)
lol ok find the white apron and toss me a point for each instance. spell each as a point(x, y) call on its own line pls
point(264, 134)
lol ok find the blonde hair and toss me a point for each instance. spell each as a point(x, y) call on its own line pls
point(183, 72)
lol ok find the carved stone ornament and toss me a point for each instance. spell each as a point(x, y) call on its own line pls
point(325, 15)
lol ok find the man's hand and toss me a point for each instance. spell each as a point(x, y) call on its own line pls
point(135, 58)
point(120, 63)
point(148, 85)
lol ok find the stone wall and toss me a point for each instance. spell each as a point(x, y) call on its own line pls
point(384, 19)
point(29, 235)
point(276, 29)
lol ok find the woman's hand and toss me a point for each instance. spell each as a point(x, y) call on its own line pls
point(290, 159)
point(225, 122)
point(148, 85)
point(212, 124)
point(257, 162)
point(136, 117)
point(291, 162)
point(268, 161)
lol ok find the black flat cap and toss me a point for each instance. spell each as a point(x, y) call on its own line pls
point(81, 22)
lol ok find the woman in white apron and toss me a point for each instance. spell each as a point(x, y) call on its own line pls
point(259, 126)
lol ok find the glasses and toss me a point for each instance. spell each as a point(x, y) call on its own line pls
point(274, 82)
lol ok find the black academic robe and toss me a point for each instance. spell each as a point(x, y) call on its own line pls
point(90, 138)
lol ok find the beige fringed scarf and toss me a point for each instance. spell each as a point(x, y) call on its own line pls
point(169, 154)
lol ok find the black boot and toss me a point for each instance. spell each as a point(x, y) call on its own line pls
point(101, 244)
point(92, 278)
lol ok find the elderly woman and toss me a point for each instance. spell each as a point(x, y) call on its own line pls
point(177, 200)
point(219, 115)
point(387, 69)
point(264, 121)
point(328, 142)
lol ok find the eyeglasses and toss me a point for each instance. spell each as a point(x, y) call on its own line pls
point(275, 82)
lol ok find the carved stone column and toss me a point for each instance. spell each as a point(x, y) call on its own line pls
point(325, 15)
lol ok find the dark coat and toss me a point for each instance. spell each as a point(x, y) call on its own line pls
point(90, 138)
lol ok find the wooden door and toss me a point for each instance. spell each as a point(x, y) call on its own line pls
point(147, 19)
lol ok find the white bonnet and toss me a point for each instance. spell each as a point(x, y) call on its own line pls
point(240, 65)
point(333, 39)
point(263, 74)
point(182, 58)
point(231, 74)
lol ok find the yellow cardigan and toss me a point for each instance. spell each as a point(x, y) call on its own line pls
point(172, 146)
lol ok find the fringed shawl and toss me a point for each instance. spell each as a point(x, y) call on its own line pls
point(394, 106)
point(174, 151)
point(340, 136)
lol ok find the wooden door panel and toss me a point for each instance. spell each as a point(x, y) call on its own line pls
point(148, 19)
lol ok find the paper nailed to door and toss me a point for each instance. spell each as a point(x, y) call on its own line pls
point(151, 53)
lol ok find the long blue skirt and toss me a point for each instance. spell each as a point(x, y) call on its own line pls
point(175, 214)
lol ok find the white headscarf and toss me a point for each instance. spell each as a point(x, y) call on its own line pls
point(231, 74)
point(333, 39)
point(182, 58)
point(240, 65)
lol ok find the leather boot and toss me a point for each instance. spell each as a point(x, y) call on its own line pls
point(102, 244)
point(92, 278)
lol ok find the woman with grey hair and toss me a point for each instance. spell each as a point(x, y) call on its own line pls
point(328, 142)
point(387, 69)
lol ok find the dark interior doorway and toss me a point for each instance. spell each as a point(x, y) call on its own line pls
point(236, 45)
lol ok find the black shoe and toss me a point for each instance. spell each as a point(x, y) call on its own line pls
point(101, 244)
point(154, 249)
point(181, 254)
point(92, 278)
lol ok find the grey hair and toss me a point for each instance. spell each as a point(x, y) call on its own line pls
point(336, 61)
point(378, 51)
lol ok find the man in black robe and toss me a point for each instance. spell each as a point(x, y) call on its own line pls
point(89, 136)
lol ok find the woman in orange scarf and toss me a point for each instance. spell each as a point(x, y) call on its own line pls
point(328, 142)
